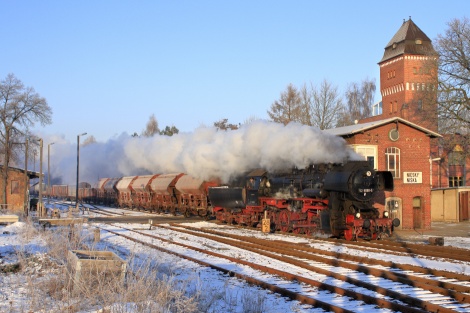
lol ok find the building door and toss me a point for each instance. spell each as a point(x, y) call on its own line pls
point(393, 205)
point(417, 212)
point(463, 206)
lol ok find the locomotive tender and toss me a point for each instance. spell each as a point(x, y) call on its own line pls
point(335, 199)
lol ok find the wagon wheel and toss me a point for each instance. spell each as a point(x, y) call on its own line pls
point(298, 230)
point(187, 212)
point(284, 221)
point(205, 213)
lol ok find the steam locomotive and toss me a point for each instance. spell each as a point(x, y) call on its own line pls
point(335, 199)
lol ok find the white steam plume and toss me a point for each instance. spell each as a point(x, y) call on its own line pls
point(209, 153)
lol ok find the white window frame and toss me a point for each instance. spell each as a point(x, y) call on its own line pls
point(393, 154)
point(367, 151)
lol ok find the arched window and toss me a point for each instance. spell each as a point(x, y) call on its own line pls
point(392, 157)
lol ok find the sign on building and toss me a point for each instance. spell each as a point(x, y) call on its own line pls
point(412, 177)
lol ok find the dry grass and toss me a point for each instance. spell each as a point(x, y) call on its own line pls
point(49, 285)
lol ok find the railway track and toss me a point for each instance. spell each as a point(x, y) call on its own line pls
point(394, 247)
point(394, 288)
point(398, 247)
point(88, 207)
point(458, 289)
point(439, 274)
point(445, 252)
point(251, 280)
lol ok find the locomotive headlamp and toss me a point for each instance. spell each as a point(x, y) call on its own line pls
point(358, 215)
point(368, 173)
point(386, 214)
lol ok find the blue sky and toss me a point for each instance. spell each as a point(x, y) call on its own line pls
point(106, 66)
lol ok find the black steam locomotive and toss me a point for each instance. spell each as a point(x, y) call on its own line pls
point(335, 199)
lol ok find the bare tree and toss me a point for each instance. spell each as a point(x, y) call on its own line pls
point(21, 107)
point(309, 105)
point(250, 119)
point(152, 127)
point(306, 95)
point(223, 124)
point(359, 100)
point(453, 49)
point(453, 92)
point(326, 105)
point(288, 108)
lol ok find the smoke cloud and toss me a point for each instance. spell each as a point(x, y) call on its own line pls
point(206, 153)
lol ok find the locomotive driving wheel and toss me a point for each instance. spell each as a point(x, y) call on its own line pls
point(284, 221)
point(349, 234)
point(298, 230)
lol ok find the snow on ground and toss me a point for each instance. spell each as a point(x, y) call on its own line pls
point(459, 242)
point(18, 242)
point(223, 294)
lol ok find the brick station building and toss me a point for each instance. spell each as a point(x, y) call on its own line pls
point(401, 137)
point(402, 147)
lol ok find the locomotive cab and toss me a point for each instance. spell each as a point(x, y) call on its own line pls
point(252, 186)
point(257, 184)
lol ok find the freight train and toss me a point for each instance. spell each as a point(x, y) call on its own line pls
point(334, 199)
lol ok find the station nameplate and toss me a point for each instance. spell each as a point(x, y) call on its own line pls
point(412, 177)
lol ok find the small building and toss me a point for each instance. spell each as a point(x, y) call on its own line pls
point(17, 197)
point(450, 205)
point(403, 148)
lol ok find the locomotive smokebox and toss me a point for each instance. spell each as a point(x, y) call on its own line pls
point(356, 180)
point(230, 198)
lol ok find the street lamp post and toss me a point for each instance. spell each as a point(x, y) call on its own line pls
point(49, 172)
point(40, 208)
point(78, 166)
point(26, 181)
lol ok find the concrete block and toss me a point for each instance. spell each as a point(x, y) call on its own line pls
point(436, 241)
point(95, 268)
